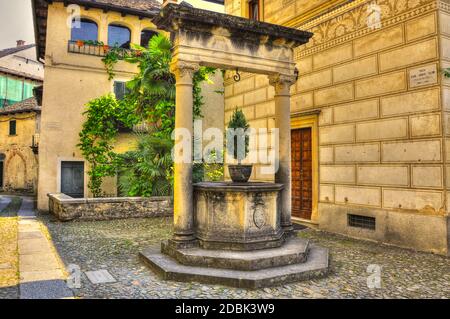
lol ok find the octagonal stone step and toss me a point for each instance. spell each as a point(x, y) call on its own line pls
point(294, 251)
point(317, 266)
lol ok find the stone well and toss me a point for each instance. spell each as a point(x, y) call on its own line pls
point(233, 234)
point(238, 216)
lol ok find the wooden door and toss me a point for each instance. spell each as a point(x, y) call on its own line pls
point(302, 173)
point(72, 179)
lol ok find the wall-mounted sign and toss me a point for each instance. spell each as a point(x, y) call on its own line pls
point(425, 75)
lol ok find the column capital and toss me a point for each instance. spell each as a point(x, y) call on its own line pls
point(282, 83)
point(184, 71)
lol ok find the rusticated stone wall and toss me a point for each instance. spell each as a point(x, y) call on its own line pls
point(383, 146)
point(66, 208)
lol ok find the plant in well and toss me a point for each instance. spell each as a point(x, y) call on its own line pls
point(238, 146)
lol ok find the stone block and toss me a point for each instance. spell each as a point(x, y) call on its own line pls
point(255, 97)
point(377, 41)
point(382, 130)
point(257, 124)
point(427, 176)
point(409, 55)
point(326, 117)
point(265, 109)
point(326, 155)
point(301, 102)
point(444, 19)
point(261, 81)
point(337, 134)
point(334, 95)
point(352, 112)
point(445, 48)
point(380, 85)
point(333, 56)
point(425, 125)
point(421, 27)
point(412, 151)
point(304, 65)
point(411, 102)
point(424, 201)
point(361, 153)
point(326, 193)
point(342, 174)
point(229, 90)
point(233, 102)
point(383, 175)
point(244, 85)
point(358, 196)
point(354, 70)
point(446, 99)
point(447, 149)
point(314, 80)
point(270, 92)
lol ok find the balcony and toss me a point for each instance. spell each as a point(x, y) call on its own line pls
point(96, 49)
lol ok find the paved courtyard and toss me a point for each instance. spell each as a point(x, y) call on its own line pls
point(114, 246)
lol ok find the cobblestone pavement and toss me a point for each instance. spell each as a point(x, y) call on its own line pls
point(114, 246)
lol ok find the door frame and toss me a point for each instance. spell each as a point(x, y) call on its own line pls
point(311, 121)
point(58, 173)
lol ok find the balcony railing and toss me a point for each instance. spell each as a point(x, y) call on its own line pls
point(95, 49)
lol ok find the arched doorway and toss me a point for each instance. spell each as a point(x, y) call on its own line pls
point(17, 172)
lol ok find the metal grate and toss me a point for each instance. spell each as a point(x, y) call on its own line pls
point(361, 221)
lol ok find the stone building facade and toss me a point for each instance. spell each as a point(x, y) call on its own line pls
point(370, 110)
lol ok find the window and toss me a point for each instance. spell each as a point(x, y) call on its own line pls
point(86, 30)
point(146, 35)
point(253, 10)
point(120, 90)
point(119, 36)
point(12, 127)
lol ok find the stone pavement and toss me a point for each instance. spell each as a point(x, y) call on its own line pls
point(114, 246)
point(4, 202)
point(41, 273)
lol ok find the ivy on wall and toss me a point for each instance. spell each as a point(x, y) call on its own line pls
point(447, 73)
point(98, 135)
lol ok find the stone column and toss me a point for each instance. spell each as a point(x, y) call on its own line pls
point(282, 84)
point(183, 189)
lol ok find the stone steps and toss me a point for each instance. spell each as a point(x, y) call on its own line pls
point(316, 265)
point(294, 251)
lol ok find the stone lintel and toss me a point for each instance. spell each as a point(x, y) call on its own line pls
point(175, 17)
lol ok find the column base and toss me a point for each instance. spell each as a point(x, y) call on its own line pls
point(183, 241)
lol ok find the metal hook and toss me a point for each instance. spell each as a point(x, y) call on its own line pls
point(237, 76)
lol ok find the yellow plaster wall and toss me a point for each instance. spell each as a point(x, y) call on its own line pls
point(20, 164)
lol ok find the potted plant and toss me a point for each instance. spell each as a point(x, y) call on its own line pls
point(238, 147)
